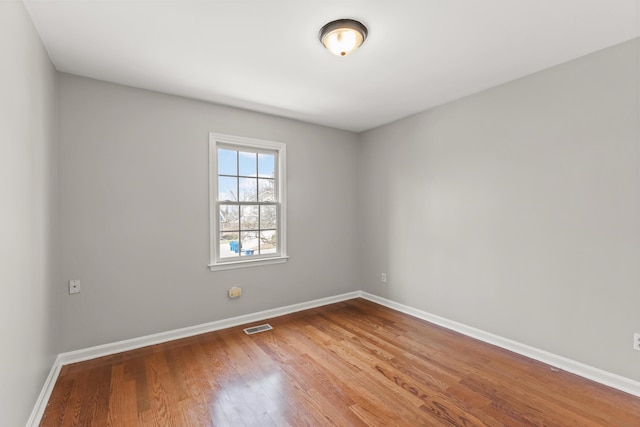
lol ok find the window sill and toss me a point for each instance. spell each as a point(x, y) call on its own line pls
point(248, 263)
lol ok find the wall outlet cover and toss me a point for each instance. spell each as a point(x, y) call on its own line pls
point(235, 292)
point(74, 287)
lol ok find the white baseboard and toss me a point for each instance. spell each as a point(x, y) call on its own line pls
point(134, 343)
point(603, 377)
point(45, 394)
point(598, 375)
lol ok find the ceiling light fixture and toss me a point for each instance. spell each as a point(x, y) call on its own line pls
point(343, 36)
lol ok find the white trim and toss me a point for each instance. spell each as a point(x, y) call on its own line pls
point(45, 394)
point(598, 375)
point(247, 263)
point(603, 377)
point(280, 149)
point(134, 343)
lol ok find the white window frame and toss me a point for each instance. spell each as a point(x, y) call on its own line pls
point(215, 262)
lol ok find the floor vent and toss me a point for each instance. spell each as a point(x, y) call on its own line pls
point(259, 328)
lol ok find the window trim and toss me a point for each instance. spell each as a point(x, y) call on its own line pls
point(216, 140)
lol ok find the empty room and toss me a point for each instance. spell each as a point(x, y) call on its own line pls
point(310, 213)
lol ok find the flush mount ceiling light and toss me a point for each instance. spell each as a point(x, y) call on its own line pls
point(343, 36)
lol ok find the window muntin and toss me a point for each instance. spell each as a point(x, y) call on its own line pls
point(247, 201)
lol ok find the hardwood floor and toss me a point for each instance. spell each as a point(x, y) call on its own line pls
point(354, 363)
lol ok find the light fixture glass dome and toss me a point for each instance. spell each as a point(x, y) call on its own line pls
point(343, 36)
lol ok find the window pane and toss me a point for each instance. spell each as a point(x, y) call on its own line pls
point(229, 245)
point(227, 189)
point(265, 190)
point(248, 190)
point(229, 218)
point(268, 217)
point(248, 163)
point(249, 244)
point(249, 217)
point(268, 243)
point(227, 162)
point(267, 165)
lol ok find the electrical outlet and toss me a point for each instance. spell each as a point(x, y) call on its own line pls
point(383, 278)
point(235, 292)
point(74, 287)
point(636, 341)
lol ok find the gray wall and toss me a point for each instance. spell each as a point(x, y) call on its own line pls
point(516, 210)
point(134, 213)
point(27, 212)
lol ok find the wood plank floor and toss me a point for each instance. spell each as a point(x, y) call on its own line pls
point(354, 363)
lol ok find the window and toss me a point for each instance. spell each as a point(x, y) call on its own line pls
point(247, 202)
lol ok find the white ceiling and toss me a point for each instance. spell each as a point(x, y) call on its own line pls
point(264, 55)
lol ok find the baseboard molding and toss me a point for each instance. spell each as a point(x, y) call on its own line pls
point(45, 394)
point(598, 375)
point(134, 343)
point(603, 377)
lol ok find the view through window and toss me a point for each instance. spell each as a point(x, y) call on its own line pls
point(247, 209)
